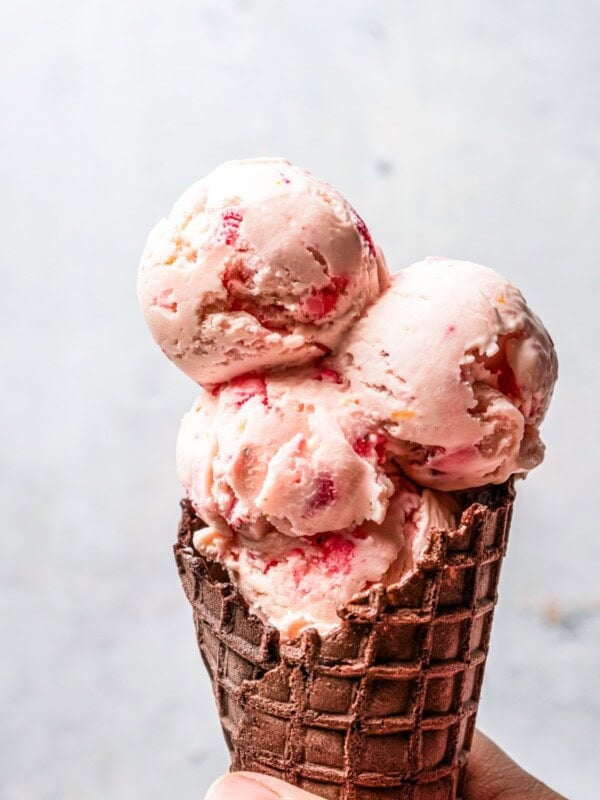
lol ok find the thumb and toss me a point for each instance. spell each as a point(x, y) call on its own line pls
point(252, 786)
point(492, 775)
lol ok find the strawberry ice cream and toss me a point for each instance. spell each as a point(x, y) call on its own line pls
point(298, 474)
point(456, 370)
point(302, 582)
point(259, 265)
point(283, 453)
point(333, 393)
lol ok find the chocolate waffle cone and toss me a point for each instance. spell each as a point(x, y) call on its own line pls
point(382, 707)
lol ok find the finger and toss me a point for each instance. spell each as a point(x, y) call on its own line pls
point(492, 775)
point(252, 786)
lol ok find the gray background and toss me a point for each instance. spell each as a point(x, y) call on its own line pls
point(469, 129)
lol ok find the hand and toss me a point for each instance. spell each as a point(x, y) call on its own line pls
point(491, 775)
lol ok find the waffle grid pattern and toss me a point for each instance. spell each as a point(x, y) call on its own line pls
point(382, 708)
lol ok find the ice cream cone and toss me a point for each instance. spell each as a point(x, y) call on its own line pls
point(384, 706)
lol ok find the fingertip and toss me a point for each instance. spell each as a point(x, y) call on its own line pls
point(216, 789)
point(253, 786)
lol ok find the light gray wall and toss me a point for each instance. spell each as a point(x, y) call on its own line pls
point(469, 129)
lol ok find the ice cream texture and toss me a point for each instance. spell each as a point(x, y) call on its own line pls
point(341, 406)
point(303, 506)
point(458, 372)
point(280, 454)
point(301, 582)
point(258, 265)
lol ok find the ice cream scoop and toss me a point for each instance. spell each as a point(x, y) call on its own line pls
point(303, 508)
point(259, 265)
point(289, 453)
point(456, 370)
point(296, 583)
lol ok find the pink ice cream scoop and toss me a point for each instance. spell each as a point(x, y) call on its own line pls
point(258, 265)
point(297, 583)
point(303, 507)
point(456, 370)
point(289, 453)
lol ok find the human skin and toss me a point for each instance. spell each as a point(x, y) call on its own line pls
point(492, 775)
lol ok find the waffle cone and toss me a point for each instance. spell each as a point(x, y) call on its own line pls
point(382, 707)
